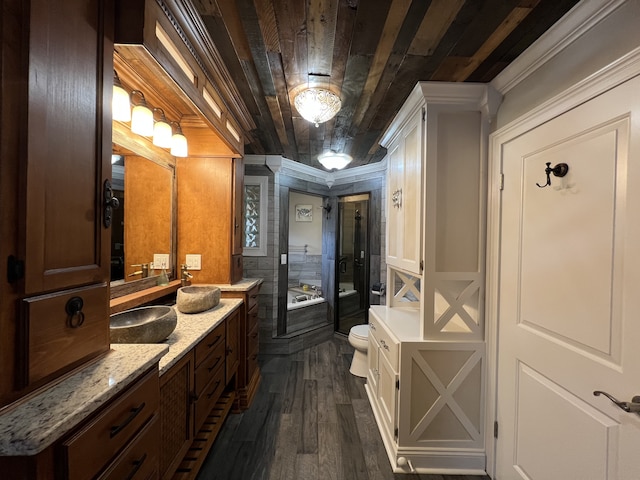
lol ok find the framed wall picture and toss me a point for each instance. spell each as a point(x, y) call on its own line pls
point(304, 213)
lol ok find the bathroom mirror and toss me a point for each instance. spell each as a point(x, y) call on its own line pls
point(144, 224)
point(306, 303)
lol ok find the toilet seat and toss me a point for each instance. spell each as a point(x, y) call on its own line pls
point(360, 332)
point(359, 340)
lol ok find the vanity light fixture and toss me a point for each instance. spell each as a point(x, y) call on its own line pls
point(142, 116)
point(161, 130)
point(334, 161)
point(179, 146)
point(120, 103)
point(317, 105)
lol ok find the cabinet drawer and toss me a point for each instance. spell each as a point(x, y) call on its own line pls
point(52, 339)
point(206, 369)
point(209, 343)
point(253, 341)
point(208, 398)
point(252, 364)
point(252, 317)
point(99, 441)
point(140, 459)
point(252, 298)
point(388, 346)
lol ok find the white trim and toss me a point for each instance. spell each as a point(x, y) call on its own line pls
point(301, 171)
point(563, 33)
point(263, 183)
point(605, 79)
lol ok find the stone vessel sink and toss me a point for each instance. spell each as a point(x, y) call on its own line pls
point(143, 325)
point(197, 298)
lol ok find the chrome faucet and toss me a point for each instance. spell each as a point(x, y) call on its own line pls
point(185, 276)
point(144, 270)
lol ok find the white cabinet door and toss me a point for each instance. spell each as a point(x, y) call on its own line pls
point(387, 394)
point(372, 359)
point(404, 211)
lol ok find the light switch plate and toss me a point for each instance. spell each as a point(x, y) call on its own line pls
point(193, 261)
point(160, 260)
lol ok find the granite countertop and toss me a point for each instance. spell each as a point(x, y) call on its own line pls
point(243, 285)
point(193, 327)
point(35, 424)
point(41, 420)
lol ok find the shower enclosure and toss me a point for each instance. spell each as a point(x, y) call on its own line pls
point(352, 271)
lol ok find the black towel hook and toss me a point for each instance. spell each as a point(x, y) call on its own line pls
point(560, 170)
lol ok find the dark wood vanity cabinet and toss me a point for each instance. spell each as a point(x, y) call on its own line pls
point(55, 146)
point(196, 395)
point(119, 440)
point(248, 371)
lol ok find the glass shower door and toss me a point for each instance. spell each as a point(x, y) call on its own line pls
point(353, 263)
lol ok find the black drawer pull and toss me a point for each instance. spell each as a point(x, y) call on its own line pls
point(215, 340)
point(215, 387)
point(254, 356)
point(254, 296)
point(254, 335)
point(134, 413)
point(136, 466)
point(215, 364)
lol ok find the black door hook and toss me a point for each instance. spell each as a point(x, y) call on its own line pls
point(560, 170)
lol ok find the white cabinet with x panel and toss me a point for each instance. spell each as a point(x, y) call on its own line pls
point(427, 356)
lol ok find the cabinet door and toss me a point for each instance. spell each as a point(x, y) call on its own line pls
point(68, 144)
point(238, 206)
point(404, 244)
point(387, 393)
point(176, 422)
point(372, 359)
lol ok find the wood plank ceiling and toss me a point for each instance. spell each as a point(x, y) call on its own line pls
point(370, 52)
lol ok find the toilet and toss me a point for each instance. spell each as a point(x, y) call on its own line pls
point(359, 340)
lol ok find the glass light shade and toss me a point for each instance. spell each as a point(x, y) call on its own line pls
point(317, 105)
point(179, 145)
point(162, 134)
point(142, 120)
point(120, 104)
point(337, 161)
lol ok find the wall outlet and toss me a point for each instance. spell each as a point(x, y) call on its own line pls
point(193, 261)
point(160, 260)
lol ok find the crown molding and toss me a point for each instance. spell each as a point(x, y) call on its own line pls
point(563, 33)
point(301, 171)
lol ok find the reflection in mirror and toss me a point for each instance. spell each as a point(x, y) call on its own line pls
point(306, 304)
point(143, 225)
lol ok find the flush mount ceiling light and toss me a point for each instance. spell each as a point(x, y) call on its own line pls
point(120, 103)
point(317, 105)
point(332, 160)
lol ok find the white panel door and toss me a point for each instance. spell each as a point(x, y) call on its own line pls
point(570, 296)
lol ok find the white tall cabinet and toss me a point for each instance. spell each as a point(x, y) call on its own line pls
point(426, 379)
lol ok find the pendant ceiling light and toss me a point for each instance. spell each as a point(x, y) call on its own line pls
point(317, 105)
point(334, 161)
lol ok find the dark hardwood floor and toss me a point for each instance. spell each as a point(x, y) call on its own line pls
point(310, 420)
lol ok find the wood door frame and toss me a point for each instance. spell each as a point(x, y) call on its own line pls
point(613, 75)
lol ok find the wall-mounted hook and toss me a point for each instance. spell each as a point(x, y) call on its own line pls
point(327, 208)
point(560, 170)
